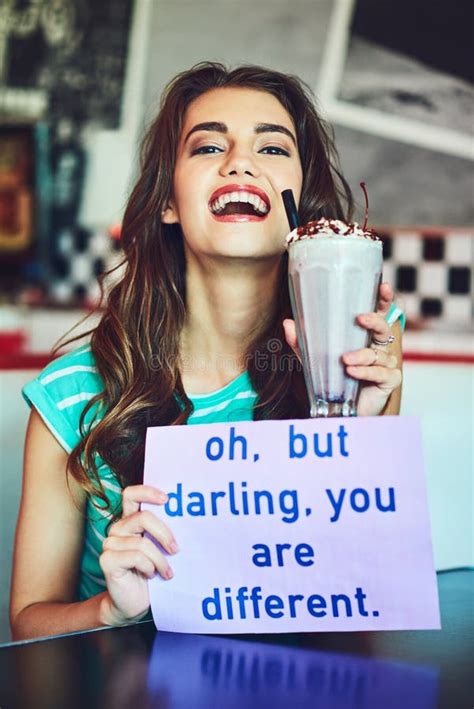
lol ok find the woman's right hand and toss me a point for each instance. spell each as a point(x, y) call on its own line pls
point(129, 558)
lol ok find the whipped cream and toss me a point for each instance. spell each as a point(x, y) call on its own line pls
point(330, 227)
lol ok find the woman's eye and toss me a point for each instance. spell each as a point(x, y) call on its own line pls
point(206, 149)
point(275, 150)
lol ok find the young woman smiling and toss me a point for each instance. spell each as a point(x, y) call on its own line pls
point(198, 330)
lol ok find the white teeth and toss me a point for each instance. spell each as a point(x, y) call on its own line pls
point(259, 205)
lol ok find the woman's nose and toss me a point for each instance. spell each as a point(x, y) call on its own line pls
point(239, 162)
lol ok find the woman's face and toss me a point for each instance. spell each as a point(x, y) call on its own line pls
point(236, 153)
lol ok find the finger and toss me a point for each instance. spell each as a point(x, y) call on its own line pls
point(144, 521)
point(145, 546)
point(369, 356)
point(289, 328)
point(388, 379)
point(134, 495)
point(376, 323)
point(290, 333)
point(385, 298)
point(117, 563)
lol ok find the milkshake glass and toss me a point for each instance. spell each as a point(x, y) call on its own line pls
point(335, 270)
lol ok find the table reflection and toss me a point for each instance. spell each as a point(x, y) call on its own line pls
point(223, 672)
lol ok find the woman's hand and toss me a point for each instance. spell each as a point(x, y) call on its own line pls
point(378, 367)
point(129, 558)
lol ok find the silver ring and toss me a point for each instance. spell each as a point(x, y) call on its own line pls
point(376, 353)
point(382, 343)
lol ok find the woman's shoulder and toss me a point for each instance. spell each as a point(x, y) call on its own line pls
point(71, 374)
point(62, 390)
point(77, 365)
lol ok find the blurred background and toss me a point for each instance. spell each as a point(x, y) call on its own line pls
point(79, 82)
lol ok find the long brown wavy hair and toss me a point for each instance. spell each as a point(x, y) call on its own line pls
point(136, 343)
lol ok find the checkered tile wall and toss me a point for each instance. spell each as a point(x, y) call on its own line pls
point(430, 270)
point(80, 257)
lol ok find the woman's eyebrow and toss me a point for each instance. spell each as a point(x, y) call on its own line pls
point(274, 128)
point(217, 127)
point(213, 126)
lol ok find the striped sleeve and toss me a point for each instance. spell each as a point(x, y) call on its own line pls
point(61, 392)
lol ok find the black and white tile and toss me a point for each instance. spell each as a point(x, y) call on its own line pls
point(431, 274)
point(430, 271)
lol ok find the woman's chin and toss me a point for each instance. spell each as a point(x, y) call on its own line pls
point(250, 251)
point(250, 240)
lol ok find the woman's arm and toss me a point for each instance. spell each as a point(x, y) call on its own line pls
point(48, 543)
point(48, 548)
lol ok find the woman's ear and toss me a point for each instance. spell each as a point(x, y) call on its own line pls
point(169, 215)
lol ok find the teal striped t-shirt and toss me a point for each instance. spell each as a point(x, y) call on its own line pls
point(60, 393)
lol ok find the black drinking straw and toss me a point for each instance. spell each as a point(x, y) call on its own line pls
point(291, 209)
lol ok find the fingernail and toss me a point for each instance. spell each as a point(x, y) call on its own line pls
point(162, 497)
point(173, 547)
point(169, 573)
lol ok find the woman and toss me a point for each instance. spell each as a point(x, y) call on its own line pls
point(203, 299)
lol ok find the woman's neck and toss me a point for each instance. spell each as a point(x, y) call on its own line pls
point(226, 308)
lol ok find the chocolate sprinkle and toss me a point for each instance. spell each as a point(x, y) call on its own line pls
point(330, 227)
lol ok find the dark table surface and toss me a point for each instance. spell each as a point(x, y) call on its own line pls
point(135, 666)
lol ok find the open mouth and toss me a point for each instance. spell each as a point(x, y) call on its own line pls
point(241, 205)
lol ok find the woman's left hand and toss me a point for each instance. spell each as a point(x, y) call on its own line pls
point(378, 367)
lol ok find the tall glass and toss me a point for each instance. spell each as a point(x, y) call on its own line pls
point(332, 278)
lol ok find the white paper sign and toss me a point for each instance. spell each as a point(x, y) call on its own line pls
point(294, 526)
